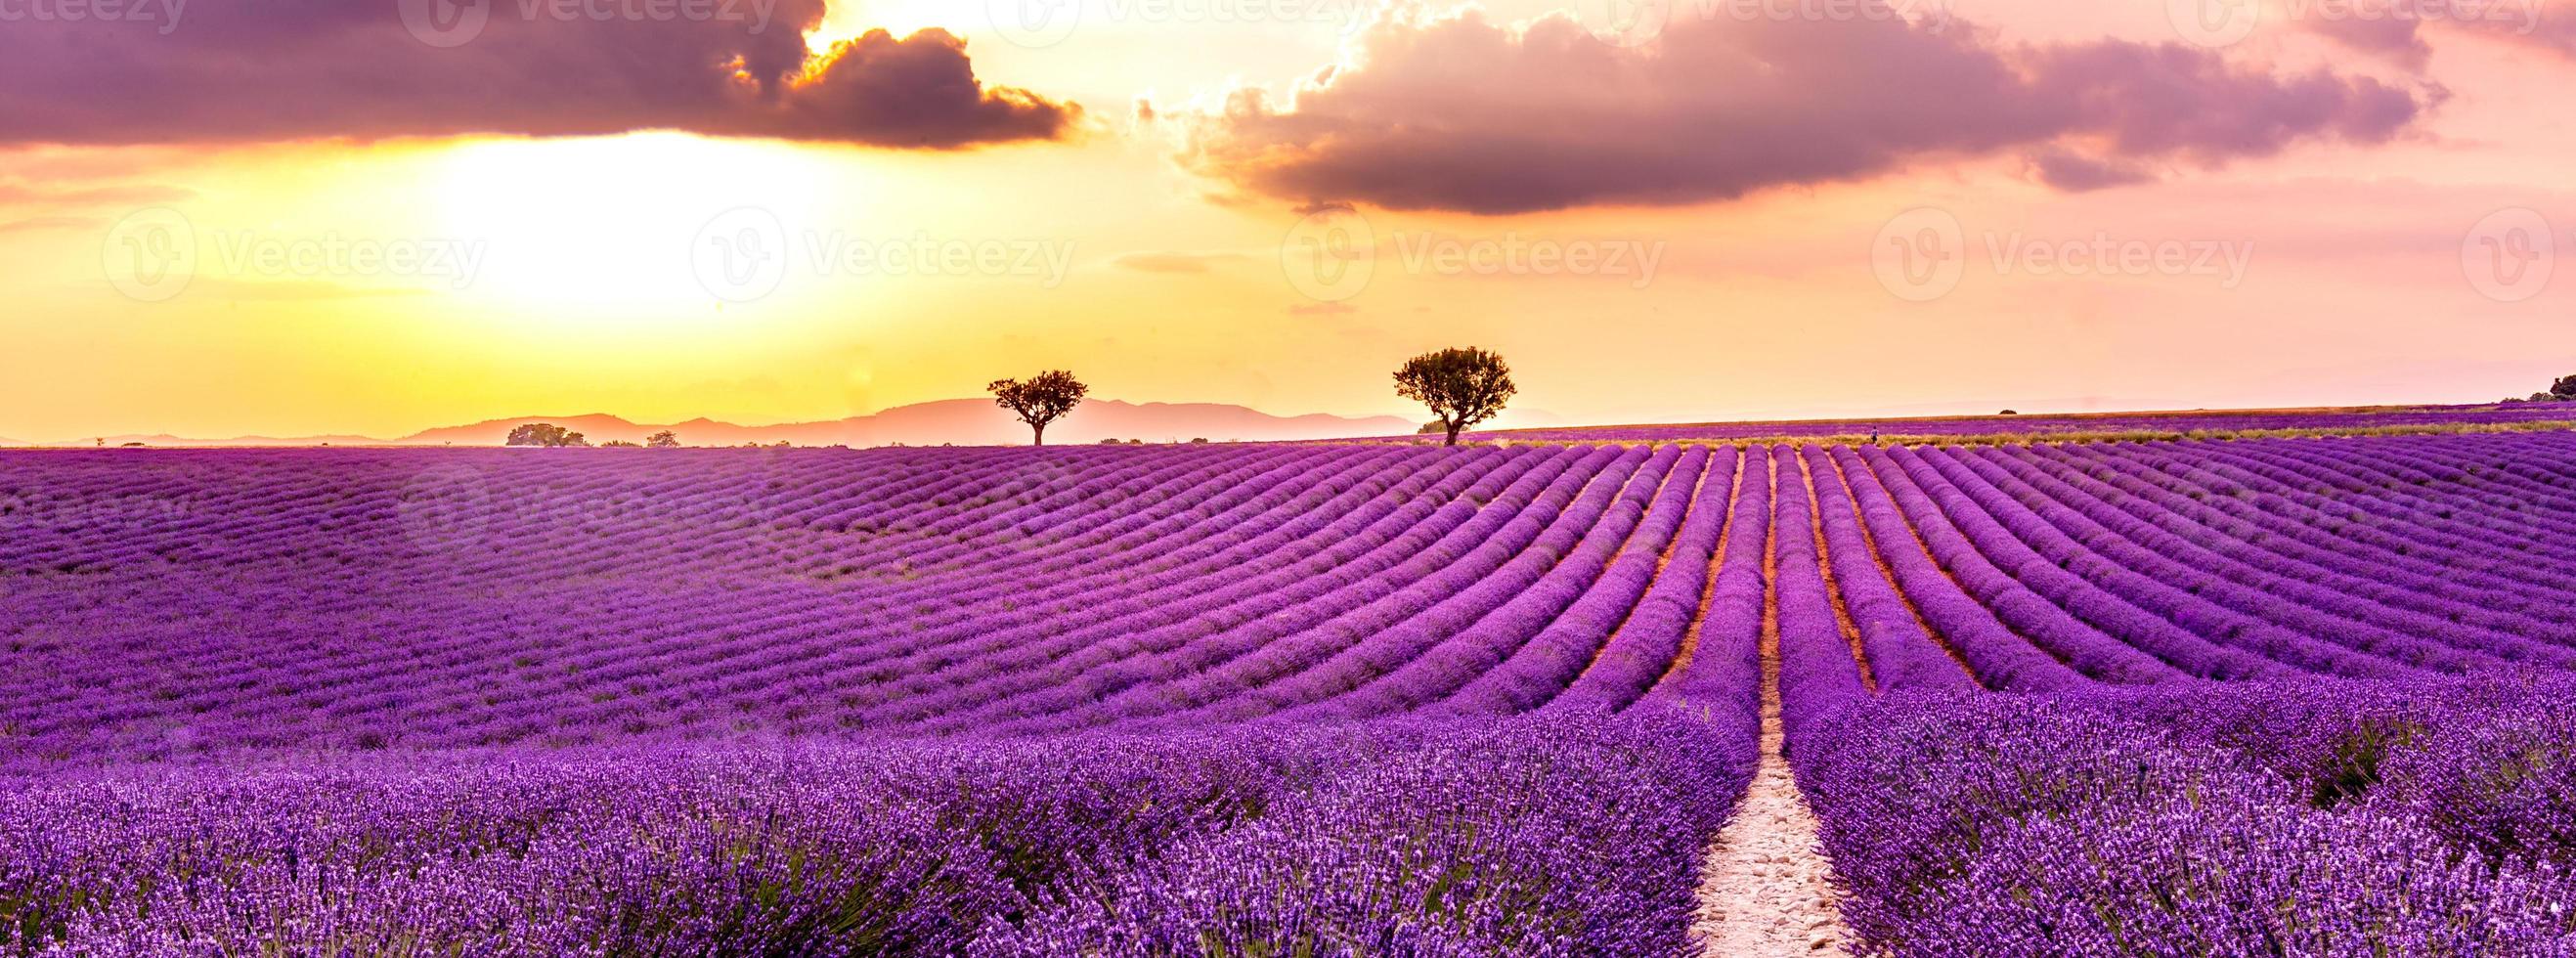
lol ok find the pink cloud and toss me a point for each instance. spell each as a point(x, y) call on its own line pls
point(1178, 261)
point(2396, 29)
point(24, 194)
point(270, 70)
point(2076, 173)
point(1463, 114)
point(47, 224)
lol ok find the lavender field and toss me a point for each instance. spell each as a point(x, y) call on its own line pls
point(2222, 423)
point(2257, 697)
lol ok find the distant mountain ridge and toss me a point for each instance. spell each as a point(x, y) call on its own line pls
point(964, 422)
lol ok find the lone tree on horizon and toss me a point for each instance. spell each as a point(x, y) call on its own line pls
point(665, 439)
point(1040, 400)
point(1462, 386)
point(545, 434)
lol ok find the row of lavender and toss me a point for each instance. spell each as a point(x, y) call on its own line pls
point(1066, 605)
point(2041, 425)
point(2366, 818)
point(328, 601)
point(1567, 836)
point(2150, 812)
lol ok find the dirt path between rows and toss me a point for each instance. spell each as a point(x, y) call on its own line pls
point(1764, 890)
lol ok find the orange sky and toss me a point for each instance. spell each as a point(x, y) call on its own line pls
point(383, 286)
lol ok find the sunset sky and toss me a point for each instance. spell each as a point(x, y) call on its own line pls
point(293, 217)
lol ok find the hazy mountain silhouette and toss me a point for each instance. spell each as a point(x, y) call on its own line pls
point(964, 422)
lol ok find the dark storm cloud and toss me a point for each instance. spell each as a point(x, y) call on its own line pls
point(253, 70)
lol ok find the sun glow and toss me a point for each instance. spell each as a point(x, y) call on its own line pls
point(846, 21)
point(604, 227)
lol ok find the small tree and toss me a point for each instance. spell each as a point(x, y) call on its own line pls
point(1043, 399)
point(2564, 389)
point(665, 439)
point(1462, 386)
point(547, 435)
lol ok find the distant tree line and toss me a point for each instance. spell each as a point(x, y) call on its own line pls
point(1461, 387)
point(2563, 390)
point(546, 435)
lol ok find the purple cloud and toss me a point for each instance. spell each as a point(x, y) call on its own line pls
point(1464, 114)
point(264, 70)
point(2075, 173)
